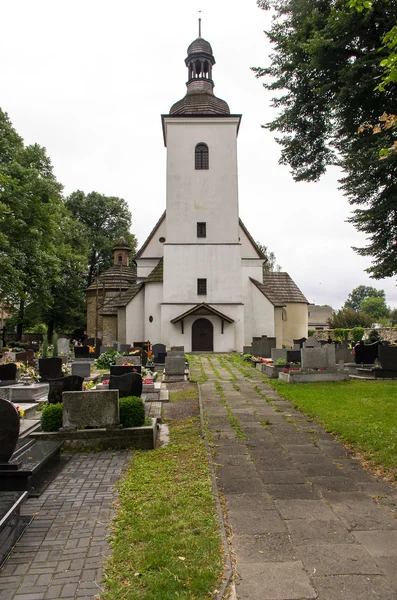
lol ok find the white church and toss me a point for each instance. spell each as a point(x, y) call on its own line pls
point(199, 281)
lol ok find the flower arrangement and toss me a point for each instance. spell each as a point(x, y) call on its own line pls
point(88, 385)
point(137, 351)
point(91, 349)
point(147, 380)
point(27, 372)
point(65, 369)
point(21, 412)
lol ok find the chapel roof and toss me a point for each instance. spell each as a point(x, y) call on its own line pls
point(268, 293)
point(122, 299)
point(156, 276)
point(199, 45)
point(115, 277)
point(283, 287)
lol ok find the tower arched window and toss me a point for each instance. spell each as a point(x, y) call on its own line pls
point(120, 259)
point(202, 157)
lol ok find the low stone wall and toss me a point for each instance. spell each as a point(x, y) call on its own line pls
point(386, 333)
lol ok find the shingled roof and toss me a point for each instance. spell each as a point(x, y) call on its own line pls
point(121, 300)
point(116, 277)
point(283, 287)
point(267, 292)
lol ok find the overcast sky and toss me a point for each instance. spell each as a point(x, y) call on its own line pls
point(89, 80)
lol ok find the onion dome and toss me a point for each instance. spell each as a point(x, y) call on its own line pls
point(200, 98)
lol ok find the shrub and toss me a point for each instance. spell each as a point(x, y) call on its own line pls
point(132, 412)
point(373, 336)
point(44, 348)
point(357, 333)
point(281, 361)
point(55, 345)
point(51, 417)
point(311, 332)
point(107, 359)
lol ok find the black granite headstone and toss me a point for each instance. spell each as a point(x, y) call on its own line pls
point(366, 353)
point(160, 358)
point(71, 383)
point(156, 348)
point(388, 357)
point(129, 384)
point(9, 429)
point(293, 356)
point(301, 341)
point(118, 370)
point(8, 372)
point(50, 368)
point(81, 352)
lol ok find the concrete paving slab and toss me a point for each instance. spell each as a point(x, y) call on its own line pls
point(350, 587)
point(337, 484)
point(378, 543)
point(250, 502)
point(274, 581)
point(303, 509)
point(284, 491)
point(269, 547)
point(281, 476)
point(314, 531)
point(255, 522)
point(337, 559)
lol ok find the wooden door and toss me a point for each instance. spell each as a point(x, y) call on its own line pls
point(202, 336)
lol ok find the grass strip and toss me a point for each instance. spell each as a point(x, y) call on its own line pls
point(166, 542)
point(238, 363)
point(232, 419)
point(213, 367)
point(362, 413)
point(185, 394)
point(196, 366)
point(226, 366)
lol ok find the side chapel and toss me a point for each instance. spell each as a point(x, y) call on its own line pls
point(197, 281)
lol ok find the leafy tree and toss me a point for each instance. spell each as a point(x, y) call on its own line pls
point(347, 318)
point(270, 263)
point(359, 293)
point(105, 219)
point(324, 71)
point(393, 316)
point(34, 226)
point(375, 307)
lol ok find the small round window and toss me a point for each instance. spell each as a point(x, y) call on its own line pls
point(150, 319)
point(162, 240)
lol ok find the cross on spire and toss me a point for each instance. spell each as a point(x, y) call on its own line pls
point(199, 22)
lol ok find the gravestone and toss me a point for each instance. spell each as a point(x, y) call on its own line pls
point(156, 348)
point(125, 348)
point(262, 346)
point(131, 360)
point(129, 384)
point(176, 353)
point(81, 352)
point(178, 349)
point(247, 349)
point(33, 346)
point(8, 372)
point(278, 354)
point(312, 342)
point(388, 357)
point(161, 356)
point(50, 368)
point(174, 365)
point(122, 370)
point(294, 356)
point(299, 343)
point(343, 352)
point(64, 346)
point(366, 353)
point(318, 358)
point(81, 369)
point(26, 357)
point(98, 409)
point(71, 383)
point(104, 349)
point(9, 430)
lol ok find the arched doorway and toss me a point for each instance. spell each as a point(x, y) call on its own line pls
point(202, 336)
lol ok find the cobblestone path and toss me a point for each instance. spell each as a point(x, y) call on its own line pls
point(61, 554)
point(307, 522)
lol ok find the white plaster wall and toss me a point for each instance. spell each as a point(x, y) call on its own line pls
point(251, 268)
point(296, 325)
point(202, 195)
point(258, 313)
point(121, 325)
point(154, 249)
point(153, 299)
point(247, 249)
point(145, 267)
point(229, 341)
point(219, 264)
point(134, 316)
point(279, 323)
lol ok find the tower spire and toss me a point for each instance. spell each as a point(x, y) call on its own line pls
point(199, 22)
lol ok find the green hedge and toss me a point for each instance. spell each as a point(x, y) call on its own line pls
point(132, 412)
point(51, 417)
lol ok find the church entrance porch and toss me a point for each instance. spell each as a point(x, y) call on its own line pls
point(202, 336)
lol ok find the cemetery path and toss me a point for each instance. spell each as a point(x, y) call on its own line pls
point(306, 520)
point(61, 554)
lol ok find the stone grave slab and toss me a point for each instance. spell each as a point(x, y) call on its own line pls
point(50, 368)
point(9, 430)
point(129, 359)
point(27, 393)
point(156, 348)
point(8, 372)
point(311, 342)
point(366, 353)
point(81, 352)
point(82, 369)
point(72, 383)
point(98, 409)
point(175, 365)
point(294, 356)
point(123, 369)
point(278, 354)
